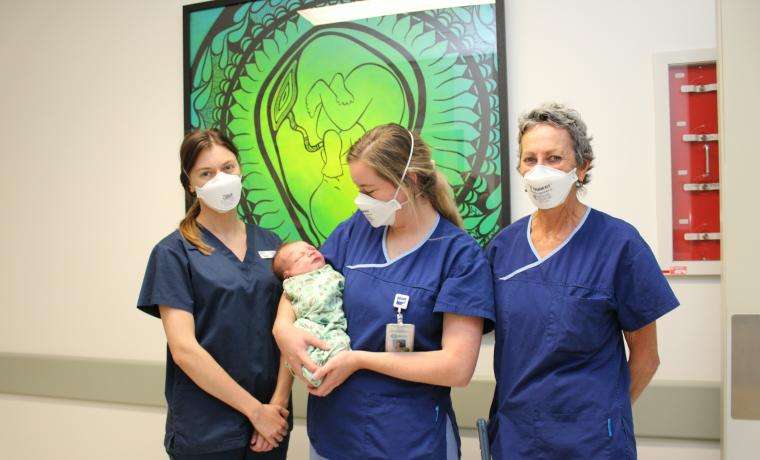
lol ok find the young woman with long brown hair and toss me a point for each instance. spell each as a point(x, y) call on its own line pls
point(210, 282)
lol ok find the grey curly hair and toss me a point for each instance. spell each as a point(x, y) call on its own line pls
point(563, 117)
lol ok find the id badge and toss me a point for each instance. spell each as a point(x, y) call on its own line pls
point(399, 337)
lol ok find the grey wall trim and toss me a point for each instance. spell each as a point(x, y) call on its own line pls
point(89, 379)
point(668, 409)
point(679, 409)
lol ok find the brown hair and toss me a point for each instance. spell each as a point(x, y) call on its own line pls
point(277, 263)
point(193, 144)
point(385, 149)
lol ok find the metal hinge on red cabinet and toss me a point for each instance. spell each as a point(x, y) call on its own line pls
point(702, 236)
point(701, 187)
point(700, 137)
point(699, 88)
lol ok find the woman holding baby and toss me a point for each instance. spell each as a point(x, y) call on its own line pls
point(417, 293)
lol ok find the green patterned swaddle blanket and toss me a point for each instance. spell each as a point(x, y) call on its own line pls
point(317, 299)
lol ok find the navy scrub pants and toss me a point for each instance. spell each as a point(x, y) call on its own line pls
point(244, 453)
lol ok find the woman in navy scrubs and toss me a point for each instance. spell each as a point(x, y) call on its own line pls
point(571, 283)
point(404, 253)
point(211, 284)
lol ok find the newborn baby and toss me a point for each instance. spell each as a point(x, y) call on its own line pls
point(316, 291)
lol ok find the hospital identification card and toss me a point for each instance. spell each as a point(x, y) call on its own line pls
point(399, 337)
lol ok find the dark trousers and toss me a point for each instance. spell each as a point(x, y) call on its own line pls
point(244, 453)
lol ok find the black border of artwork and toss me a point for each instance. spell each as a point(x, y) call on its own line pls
point(505, 217)
point(501, 67)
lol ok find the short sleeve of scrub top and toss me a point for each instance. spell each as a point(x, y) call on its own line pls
point(468, 289)
point(166, 281)
point(642, 293)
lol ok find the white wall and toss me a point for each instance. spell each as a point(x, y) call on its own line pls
point(91, 118)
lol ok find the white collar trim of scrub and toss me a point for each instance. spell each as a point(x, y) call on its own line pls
point(388, 260)
point(556, 250)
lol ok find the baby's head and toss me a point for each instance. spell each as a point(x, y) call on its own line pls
point(296, 258)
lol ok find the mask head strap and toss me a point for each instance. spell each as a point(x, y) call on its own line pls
point(408, 162)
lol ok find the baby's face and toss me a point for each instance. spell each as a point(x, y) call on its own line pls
point(300, 258)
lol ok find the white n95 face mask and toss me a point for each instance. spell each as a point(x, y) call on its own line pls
point(222, 192)
point(380, 213)
point(377, 212)
point(548, 187)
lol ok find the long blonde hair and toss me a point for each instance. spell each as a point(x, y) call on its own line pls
point(193, 144)
point(385, 149)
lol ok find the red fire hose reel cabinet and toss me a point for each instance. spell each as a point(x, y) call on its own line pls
point(692, 184)
point(694, 144)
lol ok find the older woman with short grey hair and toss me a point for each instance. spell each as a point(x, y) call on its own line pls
point(571, 285)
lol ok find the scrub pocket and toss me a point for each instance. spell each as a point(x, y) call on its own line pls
point(571, 436)
point(579, 324)
point(405, 427)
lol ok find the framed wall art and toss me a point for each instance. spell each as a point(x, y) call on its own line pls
point(295, 82)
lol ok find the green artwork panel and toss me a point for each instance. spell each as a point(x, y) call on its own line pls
point(294, 97)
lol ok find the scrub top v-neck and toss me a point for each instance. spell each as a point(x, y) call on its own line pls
point(375, 416)
point(233, 304)
point(562, 379)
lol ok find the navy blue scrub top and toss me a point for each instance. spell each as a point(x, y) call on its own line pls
point(233, 304)
point(562, 379)
point(374, 416)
